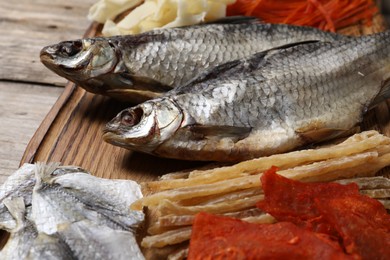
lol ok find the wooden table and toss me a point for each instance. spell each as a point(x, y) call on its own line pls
point(27, 88)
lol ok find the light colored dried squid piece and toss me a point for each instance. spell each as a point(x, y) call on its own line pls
point(167, 238)
point(365, 170)
point(165, 222)
point(198, 191)
point(179, 255)
point(170, 221)
point(177, 236)
point(353, 145)
point(316, 171)
point(168, 207)
point(232, 196)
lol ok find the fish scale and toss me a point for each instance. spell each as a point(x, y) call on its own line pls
point(155, 62)
point(270, 102)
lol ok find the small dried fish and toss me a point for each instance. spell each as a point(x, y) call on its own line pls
point(144, 66)
point(69, 210)
point(272, 102)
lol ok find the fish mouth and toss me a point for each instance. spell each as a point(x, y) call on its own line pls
point(56, 55)
point(66, 49)
point(114, 139)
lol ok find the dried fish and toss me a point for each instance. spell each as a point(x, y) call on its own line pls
point(84, 193)
point(144, 66)
point(20, 184)
point(69, 211)
point(272, 102)
point(22, 235)
point(89, 240)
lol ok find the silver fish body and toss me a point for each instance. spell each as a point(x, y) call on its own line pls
point(144, 66)
point(271, 102)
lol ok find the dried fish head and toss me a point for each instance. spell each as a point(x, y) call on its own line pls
point(146, 125)
point(82, 61)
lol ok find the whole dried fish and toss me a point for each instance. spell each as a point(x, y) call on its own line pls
point(144, 66)
point(271, 102)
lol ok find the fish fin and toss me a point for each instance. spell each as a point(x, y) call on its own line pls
point(147, 84)
point(208, 74)
point(323, 134)
point(234, 132)
point(383, 94)
point(287, 46)
point(239, 19)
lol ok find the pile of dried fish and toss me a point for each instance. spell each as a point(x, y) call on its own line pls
point(234, 190)
point(144, 66)
point(56, 212)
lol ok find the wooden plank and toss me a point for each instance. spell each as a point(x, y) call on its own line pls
point(22, 108)
point(27, 26)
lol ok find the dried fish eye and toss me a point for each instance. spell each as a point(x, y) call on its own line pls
point(131, 118)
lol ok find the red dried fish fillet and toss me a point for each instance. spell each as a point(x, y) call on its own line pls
point(217, 237)
point(293, 201)
point(362, 222)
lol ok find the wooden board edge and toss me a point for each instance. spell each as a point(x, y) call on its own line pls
point(47, 122)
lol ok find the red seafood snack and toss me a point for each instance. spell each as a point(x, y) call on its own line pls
point(217, 237)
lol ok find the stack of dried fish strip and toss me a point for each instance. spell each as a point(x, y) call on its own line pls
point(234, 190)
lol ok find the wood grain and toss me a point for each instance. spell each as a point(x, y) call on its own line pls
point(22, 108)
point(27, 26)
